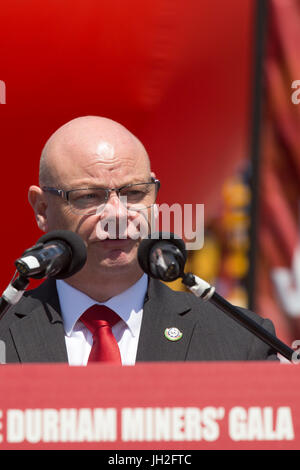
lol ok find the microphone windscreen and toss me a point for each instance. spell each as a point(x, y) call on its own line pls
point(148, 243)
point(76, 246)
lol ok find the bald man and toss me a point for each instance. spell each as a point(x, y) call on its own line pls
point(94, 173)
point(93, 152)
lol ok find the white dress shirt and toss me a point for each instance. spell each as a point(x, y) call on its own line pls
point(128, 305)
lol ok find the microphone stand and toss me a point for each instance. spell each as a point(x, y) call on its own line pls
point(206, 292)
point(13, 293)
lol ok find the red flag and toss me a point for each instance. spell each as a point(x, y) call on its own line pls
point(278, 280)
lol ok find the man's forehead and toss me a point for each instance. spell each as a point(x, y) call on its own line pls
point(105, 151)
point(95, 168)
point(101, 154)
point(90, 131)
point(91, 147)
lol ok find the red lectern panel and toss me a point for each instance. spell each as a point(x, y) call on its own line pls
point(150, 406)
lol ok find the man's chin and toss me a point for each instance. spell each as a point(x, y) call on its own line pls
point(117, 265)
point(113, 252)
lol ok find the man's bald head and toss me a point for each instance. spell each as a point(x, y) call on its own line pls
point(92, 153)
point(100, 137)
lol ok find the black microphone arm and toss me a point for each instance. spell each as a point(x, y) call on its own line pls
point(206, 292)
point(13, 293)
point(58, 254)
point(163, 257)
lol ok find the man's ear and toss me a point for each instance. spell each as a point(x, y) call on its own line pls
point(37, 200)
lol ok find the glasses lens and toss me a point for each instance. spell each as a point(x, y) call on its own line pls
point(138, 196)
point(87, 200)
point(91, 201)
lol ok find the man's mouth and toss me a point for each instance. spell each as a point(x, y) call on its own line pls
point(116, 242)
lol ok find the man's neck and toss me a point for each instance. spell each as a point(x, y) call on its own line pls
point(103, 288)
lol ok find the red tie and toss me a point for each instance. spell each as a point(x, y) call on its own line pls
point(100, 320)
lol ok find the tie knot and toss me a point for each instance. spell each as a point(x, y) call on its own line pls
point(98, 316)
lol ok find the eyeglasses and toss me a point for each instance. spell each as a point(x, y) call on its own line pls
point(88, 201)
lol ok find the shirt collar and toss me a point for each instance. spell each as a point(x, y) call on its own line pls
point(128, 305)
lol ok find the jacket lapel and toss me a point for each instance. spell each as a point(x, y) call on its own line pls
point(38, 332)
point(164, 309)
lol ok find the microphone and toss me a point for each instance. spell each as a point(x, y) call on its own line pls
point(58, 254)
point(162, 256)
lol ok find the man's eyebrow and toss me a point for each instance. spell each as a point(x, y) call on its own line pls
point(90, 185)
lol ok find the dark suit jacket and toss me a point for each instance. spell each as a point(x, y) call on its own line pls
point(33, 329)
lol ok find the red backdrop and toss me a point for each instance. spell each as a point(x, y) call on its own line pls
point(177, 74)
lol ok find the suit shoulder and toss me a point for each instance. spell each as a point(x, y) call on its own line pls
point(31, 299)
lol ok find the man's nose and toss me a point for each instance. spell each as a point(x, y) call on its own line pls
point(113, 218)
point(115, 208)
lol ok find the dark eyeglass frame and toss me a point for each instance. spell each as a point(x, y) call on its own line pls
point(65, 194)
